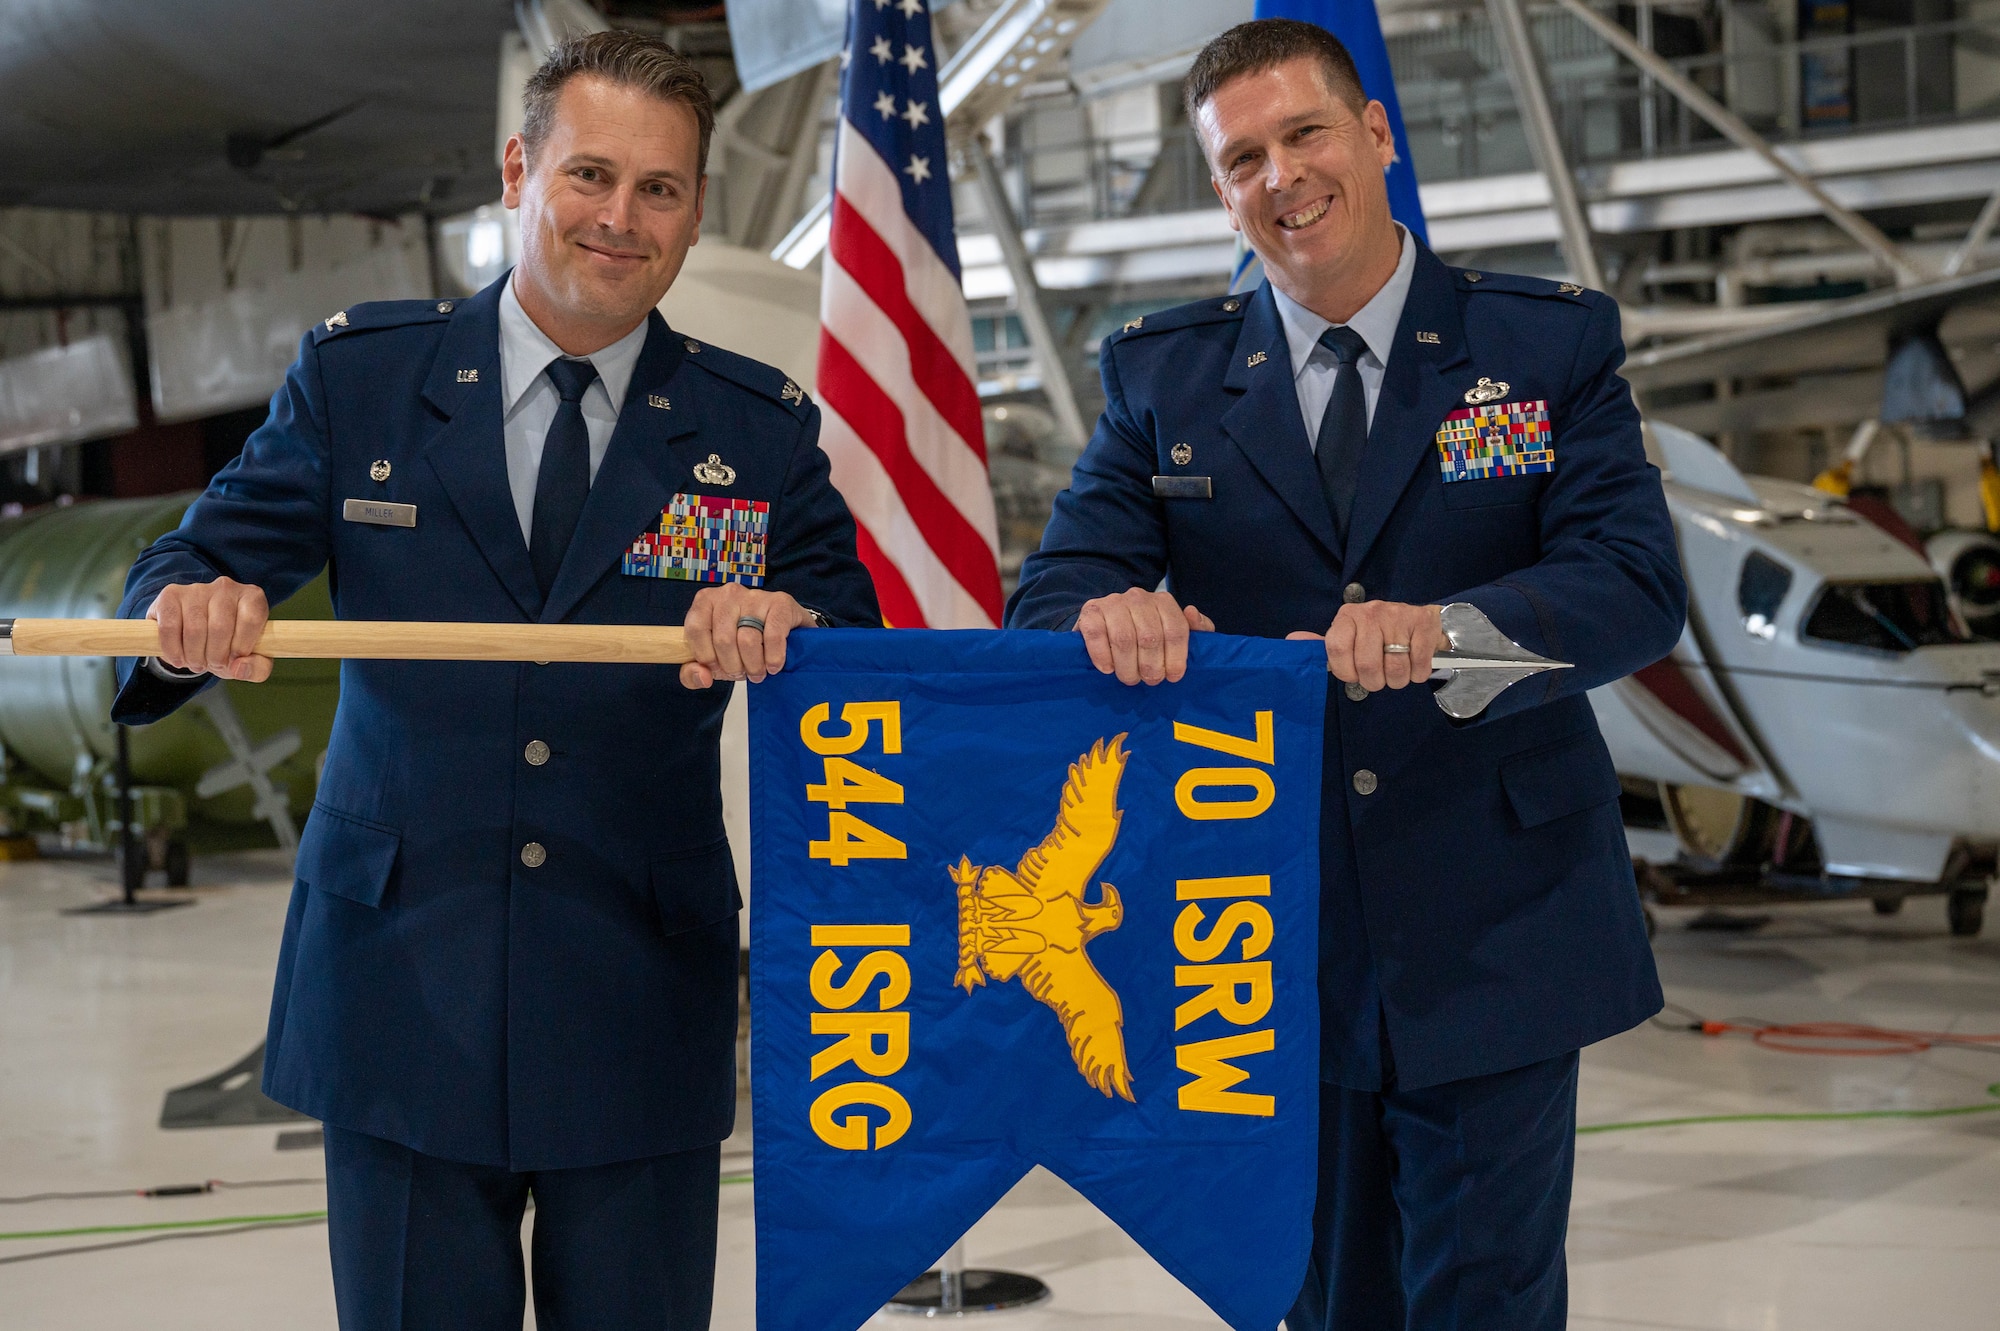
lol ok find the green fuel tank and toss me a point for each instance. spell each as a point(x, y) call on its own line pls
point(55, 712)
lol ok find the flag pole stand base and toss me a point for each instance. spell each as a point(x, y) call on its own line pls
point(931, 1295)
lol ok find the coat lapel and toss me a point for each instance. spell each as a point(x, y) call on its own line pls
point(1265, 421)
point(637, 476)
point(467, 453)
point(1418, 392)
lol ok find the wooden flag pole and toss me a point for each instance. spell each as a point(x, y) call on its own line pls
point(342, 639)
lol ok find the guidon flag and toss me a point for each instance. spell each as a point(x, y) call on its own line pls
point(1010, 912)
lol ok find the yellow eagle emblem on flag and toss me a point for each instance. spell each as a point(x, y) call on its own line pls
point(1032, 924)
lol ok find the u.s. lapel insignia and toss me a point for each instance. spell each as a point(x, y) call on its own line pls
point(380, 471)
point(655, 400)
point(715, 471)
point(1256, 358)
point(1428, 339)
point(336, 321)
point(468, 376)
point(1487, 391)
point(1182, 454)
point(793, 394)
point(1569, 288)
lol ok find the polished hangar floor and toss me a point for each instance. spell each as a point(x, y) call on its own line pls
point(1773, 1225)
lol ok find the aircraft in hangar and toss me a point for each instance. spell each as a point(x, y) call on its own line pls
point(1829, 724)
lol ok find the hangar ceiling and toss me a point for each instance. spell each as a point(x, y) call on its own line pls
point(226, 107)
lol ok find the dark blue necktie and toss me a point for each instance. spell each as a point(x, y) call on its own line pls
point(563, 482)
point(1343, 430)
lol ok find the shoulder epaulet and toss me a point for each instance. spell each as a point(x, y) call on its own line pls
point(381, 314)
point(1216, 309)
point(1476, 279)
point(764, 380)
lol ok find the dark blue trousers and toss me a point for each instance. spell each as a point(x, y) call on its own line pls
point(1444, 1209)
point(423, 1244)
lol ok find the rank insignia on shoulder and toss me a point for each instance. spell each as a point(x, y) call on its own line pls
point(1182, 454)
point(793, 394)
point(655, 400)
point(468, 376)
point(1569, 288)
point(380, 471)
point(1487, 391)
point(1256, 358)
point(1511, 439)
point(336, 321)
point(704, 539)
point(1130, 324)
point(715, 471)
point(1428, 339)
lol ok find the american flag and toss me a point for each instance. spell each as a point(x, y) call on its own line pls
point(900, 408)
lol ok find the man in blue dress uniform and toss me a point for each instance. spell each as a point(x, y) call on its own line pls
point(509, 968)
point(1367, 437)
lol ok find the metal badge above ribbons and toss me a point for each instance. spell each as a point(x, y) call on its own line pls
point(1009, 912)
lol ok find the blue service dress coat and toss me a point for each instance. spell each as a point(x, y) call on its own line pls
point(433, 987)
point(1478, 909)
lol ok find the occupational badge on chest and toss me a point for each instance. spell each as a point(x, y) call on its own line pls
point(1486, 391)
point(715, 471)
point(700, 538)
point(1496, 439)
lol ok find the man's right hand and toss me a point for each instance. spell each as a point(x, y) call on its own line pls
point(213, 626)
point(1140, 635)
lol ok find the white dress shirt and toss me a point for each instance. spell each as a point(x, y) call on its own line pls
point(529, 398)
point(1314, 367)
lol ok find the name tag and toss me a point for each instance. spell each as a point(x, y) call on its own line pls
point(379, 513)
point(1183, 487)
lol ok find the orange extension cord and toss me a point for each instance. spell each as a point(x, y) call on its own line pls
point(1837, 1039)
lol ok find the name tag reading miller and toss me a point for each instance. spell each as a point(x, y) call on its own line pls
point(379, 513)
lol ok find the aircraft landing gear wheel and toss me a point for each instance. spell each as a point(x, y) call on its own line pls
point(1719, 829)
point(1966, 910)
point(177, 863)
point(1888, 905)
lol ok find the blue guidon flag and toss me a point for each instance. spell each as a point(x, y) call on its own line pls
point(1010, 912)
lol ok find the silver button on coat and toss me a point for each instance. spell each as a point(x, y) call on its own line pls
point(1364, 782)
point(537, 753)
point(534, 855)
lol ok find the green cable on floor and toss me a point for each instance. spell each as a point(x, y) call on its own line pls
point(291, 1218)
point(1838, 1116)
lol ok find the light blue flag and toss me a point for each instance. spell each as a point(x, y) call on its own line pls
point(1360, 31)
point(1010, 912)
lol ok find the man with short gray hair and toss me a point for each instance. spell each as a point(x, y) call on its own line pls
point(510, 964)
point(1365, 439)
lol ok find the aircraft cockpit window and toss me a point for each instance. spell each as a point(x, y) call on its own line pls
point(1760, 591)
point(1883, 616)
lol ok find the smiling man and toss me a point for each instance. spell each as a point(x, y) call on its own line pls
point(510, 964)
point(1365, 439)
